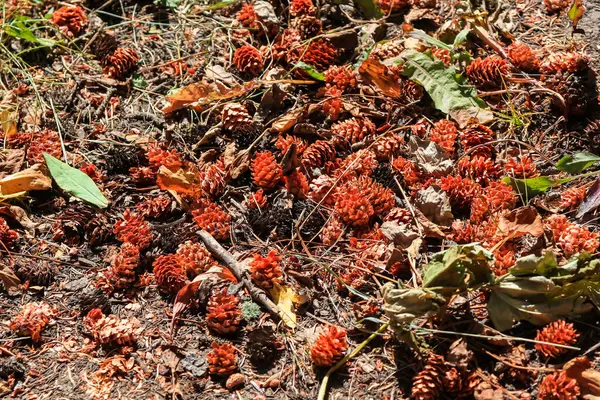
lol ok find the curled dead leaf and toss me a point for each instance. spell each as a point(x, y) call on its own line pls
point(522, 221)
point(198, 95)
point(181, 182)
point(581, 370)
point(374, 72)
point(30, 179)
point(287, 121)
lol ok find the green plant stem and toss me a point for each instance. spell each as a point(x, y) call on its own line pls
point(358, 349)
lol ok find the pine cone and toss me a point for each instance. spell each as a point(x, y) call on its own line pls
point(352, 207)
point(341, 77)
point(8, 237)
point(320, 54)
point(329, 347)
point(222, 313)
point(120, 63)
point(578, 91)
point(248, 60)
point(392, 6)
point(194, 258)
point(488, 71)
point(382, 199)
point(301, 7)
point(444, 133)
point(388, 147)
point(133, 229)
point(111, 329)
point(442, 54)
point(158, 157)
point(461, 191)
point(32, 320)
point(557, 223)
point(212, 180)
point(36, 273)
point(410, 92)
point(331, 232)
point(142, 175)
point(453, 381)
point(428, 384)
point(363, 162)
point(155, 207)
point(212, 218)
point(523, 57)
point(572, 197)
point(266, 270)
point(296, 184)
point(354, 130)
point(462, 231)
point(93, 172)
point(70, 20)
point(248, 18)
point(504, 258)
point(495, 197)
point(407, 170)
point(257, 199)
point(318, 153)
point(235, 118)
point(576, 239)
point(558, 386)
point(478, 168)
point(564, 62)
point(121, 273)
point(46, 141)
point(523, 168)
point(222, 359)
point(285, 141)
point(307, 25)
point(286, 47)
point(476, 135)
point(559, 332)
point(266, 171)
point(553, 6)
point(169, 273)
point(385, 50)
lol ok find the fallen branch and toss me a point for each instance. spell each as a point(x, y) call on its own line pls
point(258, 295)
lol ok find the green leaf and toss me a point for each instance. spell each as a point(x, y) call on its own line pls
point(75, 182)
point(461, 38)
point(577, 162)
point(448, 90)
point(532, 264)
point(576, 12)
point(369, 9)
point(421, 35)
point(139, 82)
point(534, 186)
point(311, 71)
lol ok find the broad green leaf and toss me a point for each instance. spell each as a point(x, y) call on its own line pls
point(75, 182)
point(532, 264)
point(421, 35)
point(448, 90)
point(576, 163)
point(369, 9)
point(534, 186)
point(311, 71)
point(461, 38)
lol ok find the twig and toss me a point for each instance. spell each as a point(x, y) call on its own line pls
point(358, 349)
point(238, 270)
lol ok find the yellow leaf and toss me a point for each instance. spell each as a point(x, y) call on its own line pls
point(29, 179)
point(285, 297)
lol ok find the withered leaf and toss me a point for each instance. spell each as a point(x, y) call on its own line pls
point(198, 95)
point(29, 179)
point(181, 181)
point(375, 73)
point(287, 121)
point(522, 221)
point(8, 278)
point(11, 161)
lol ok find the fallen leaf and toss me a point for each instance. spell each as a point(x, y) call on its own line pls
point(430, 157)
point(522, 221)
point(459, 354)
point(285, 297)
point(198, 95)
point(375, 73)
point(429, 228)
point(434, 203)
point(29, 179)
point(287, 121)
point(588, 378)
point(182, 181)
point(19, 215)
point(591, 201)
point(8, 278)
point(576, 12)
point(11, 161)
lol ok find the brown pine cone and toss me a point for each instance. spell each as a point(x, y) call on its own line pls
point(385, 50)
point(111, 329)
point(428, 384)
point(223, 314)
point(559, 332)
point(222, 360)
point(453, 381)
point(7, 236)
point(578, 91)
point(155, 207)
point(442, 54)
point(121, 273)
point(488, 71)
point(248, 60)
point(388, 147)
point(461, 191)
point(235, 118)
point(521, 168)
point(170, 275)
point(523, 57)
point(212, 180)
point(318, 153)
point(46, 141)
point(70, 20)
point(329, 347)
point(266, 171)
point(194, 258)
point(284, 142)
point(476, 135)
point(308, 26)
point(354, 130)
point(392, 6)
point(572, 197)
point(120, 63)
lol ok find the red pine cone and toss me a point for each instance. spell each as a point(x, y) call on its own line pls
point(332, 106)
point(461, 191)
point(428, 384)
point(331, 232)
point(142, 175)
point(488, 71)
point(382, 199)
point(407, 170)
point(392, 6)
point(296, 184)
point(158, 157)
point(352, 206)
point(576, 239)
point(154, 207)
point(70, 20)
point(495, 197)
point(559, 332)
point(442, 54)
point(553, 6)
point(212, 180)
point(444, 133)
point(194, 258)
point(286, 48)
point(256, 200)
point(121, 273)
point(266, 270)
point(479, 168)
point(248, 60)
point(32, 319)
point(284, 142)
point(301, 7)
point(93, 172)
point(523, 168)
point(341, 77)
point(169, 273)
point(329, 347)
point(564, 62)
point(235, 118)
point(222, 359)
point(357, 164)
point(7, 236)
point(504, 258)
point(388, 147)
point(523, 57)
point(111, 329)
point(120, 63)
point(476, 135)
point(266, 171)
point(222, 313)
point(133, 229)
point(354, 130)
point(46, 141)
point(558, 386)
point(557, 223)
point(320, 54)
point(247, 17)
point(318, 153)
point(572, 197)
point(212, 218)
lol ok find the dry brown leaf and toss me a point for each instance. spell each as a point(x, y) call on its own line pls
point(375, 74)
point(287, 121)
point(522, 221)
point(239, 165)
point(11, 161)
point(198, 95)
point(588, 378)
point(285, 297)
point(181, 181)
point(19, 215)
point(8, 278)
point(30, 179)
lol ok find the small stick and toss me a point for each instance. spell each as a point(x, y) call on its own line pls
point(258, 295)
